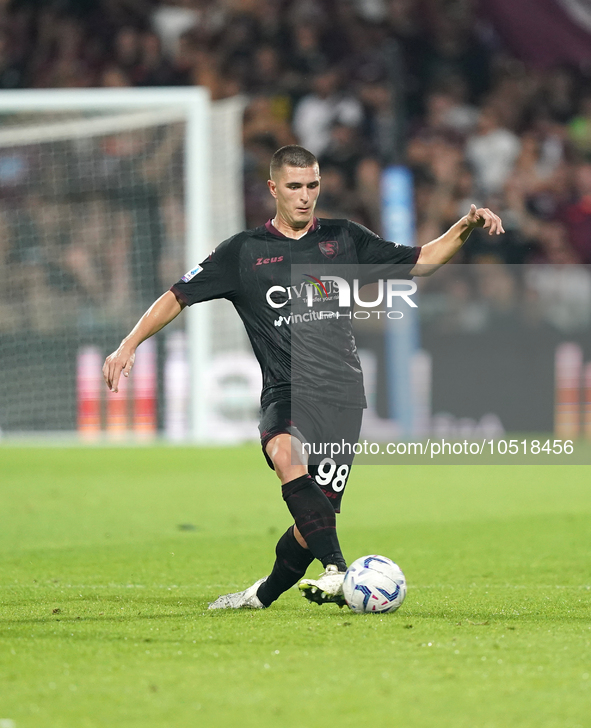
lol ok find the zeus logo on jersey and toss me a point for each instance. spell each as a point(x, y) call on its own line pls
point(191, 274)
point(265, 261)
point(344, 292)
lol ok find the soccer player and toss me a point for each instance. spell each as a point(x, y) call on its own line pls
point(312, 381)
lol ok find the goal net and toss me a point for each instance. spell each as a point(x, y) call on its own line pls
point(106, 198)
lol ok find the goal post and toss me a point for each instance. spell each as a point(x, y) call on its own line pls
point(135, 184)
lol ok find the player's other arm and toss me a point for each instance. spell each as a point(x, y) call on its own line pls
point(439, 251)
point(160, 313)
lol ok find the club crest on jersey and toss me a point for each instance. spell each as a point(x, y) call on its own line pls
point(191, 274)
point(329, 248)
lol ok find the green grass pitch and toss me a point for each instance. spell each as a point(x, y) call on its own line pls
point(109, 557)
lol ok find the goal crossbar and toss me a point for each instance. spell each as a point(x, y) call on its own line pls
point(84, 128)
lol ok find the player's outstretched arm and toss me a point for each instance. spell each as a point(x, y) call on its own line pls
point(439, 251)
point(160, 313)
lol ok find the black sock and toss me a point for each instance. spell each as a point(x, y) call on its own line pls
point(315, 518)
point(290, 566)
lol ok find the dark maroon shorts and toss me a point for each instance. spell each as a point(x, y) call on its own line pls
point(326, 433)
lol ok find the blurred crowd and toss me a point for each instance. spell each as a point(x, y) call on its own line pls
point(362, 84)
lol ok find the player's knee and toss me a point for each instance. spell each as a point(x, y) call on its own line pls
point(286, 462)
point(287, 470)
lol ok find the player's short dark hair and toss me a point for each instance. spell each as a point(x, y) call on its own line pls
point(292, 156)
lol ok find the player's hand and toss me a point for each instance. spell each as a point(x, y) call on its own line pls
point(484, 218)
point(117, 363)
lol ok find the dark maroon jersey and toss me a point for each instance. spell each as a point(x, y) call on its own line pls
point(300, 335)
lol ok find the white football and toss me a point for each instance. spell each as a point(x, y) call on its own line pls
point(374, 584)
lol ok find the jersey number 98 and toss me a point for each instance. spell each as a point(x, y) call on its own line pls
point(328, 472)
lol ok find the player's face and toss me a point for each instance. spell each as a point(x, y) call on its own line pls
point(295, 190)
